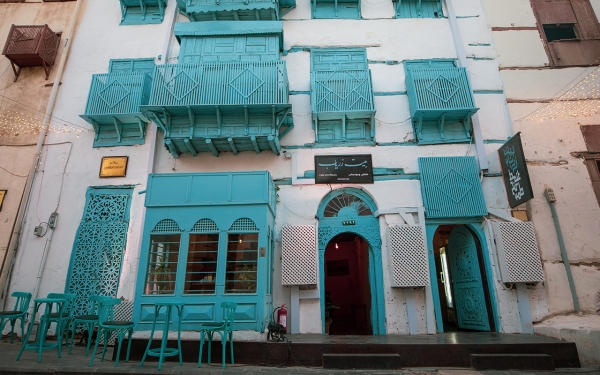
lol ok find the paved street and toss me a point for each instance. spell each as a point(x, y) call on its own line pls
point(77, 363)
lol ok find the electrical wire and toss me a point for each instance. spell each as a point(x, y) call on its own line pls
point(14, 174)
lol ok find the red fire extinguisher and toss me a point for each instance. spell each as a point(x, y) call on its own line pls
point(282, 317)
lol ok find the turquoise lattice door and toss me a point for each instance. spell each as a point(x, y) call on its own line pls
point(99, 246)
point(467, 283)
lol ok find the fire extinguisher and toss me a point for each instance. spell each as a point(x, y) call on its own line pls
point(282, 317)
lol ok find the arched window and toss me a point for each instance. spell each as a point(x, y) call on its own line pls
point(346, 205)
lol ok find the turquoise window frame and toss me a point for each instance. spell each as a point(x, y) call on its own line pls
point(336, 9)
point(142, 65)
point(225, 199)
point(341, 127)
point(142, 12)
point(418, 8)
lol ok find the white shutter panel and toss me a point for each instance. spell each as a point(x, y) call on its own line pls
point(518, 254)
point(299, 255)
point(408, 256)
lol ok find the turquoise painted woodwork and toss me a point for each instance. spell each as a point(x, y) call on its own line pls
point(451, 187)
point(467, 284)
point(349, 9)
point(418, 8)
point(99, 246)
point(232, 206)
point(143, 65)
point(233, 94)
point(441, 101)
point(142, 12)
point(114, 100)
point(235, 10)
point(336, 207)
point(342, 96)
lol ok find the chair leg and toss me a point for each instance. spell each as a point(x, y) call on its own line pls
point(202, 333)
point(25, 337)
point(72, 337)
point(90, 330)
point(149, 342)
point(95, 347)
point(12, 329)
point(210, 337)
point(231, 345)
point(105, 344)
point(120, 340)
point(128, 345)
point(223, 349)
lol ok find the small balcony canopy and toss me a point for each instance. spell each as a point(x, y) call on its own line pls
point(235, 10)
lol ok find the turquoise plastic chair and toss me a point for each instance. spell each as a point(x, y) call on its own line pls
point(89, 321)
point(63, 322)
point(224, 329)
point(18, 312)
point(107, 325)
point(51, 304)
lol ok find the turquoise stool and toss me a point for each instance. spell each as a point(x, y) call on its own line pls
point(107, 325)
point(224, 329)
point(89, 321)
point(19, 312)
point(163, 351)
point(66, 316)
point(45, 322)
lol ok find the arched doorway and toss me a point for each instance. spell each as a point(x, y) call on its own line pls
point(466, 301)
point(348, 213)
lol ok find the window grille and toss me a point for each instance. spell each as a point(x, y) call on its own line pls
point(204, 225)
point(242, 263)
point(166, 226)
point(243, 224)
point(298, 255)
point(408, 256)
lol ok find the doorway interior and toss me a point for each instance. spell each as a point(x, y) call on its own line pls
point(447, 275)
point(347, 285)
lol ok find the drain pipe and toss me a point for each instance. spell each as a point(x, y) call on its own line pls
point(551, 198)
point(16, 235)
point(462, 61)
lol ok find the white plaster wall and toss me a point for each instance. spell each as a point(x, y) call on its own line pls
point(100, 38)
point(510, 13)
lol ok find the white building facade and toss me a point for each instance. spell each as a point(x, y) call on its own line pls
point(338, 158)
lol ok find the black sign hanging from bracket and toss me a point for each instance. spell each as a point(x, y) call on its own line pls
point(343, 169)
point(514, 172)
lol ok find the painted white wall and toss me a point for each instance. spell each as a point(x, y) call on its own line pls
point(385, 39)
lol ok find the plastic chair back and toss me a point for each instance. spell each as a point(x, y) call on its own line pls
point(70, 297)
point(228, 314)
point(23, 301)
point(106, 309)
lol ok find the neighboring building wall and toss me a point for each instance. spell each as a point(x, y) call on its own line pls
point(551, 145)
point(22, 107)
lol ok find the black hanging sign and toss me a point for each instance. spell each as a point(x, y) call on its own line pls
point(343, 169)
point(514, 172)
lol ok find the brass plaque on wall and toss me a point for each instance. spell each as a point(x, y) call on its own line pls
point(113, 166)
point(2, 195)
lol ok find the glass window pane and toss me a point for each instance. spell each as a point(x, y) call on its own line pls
point(162, 264)
point(201, 268)
point(242, 260)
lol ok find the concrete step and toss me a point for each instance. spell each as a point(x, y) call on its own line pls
point(512, 362)
point(362, 361)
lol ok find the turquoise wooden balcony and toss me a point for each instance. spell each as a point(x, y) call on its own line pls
point(235, 10)
point(217, 107)
point(440, 96)
point(113, 108)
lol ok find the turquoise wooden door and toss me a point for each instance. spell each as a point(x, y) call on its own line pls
point(467, 283)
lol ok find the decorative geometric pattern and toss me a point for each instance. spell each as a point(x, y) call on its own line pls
point(454, 185)
point(298, 255)
point(98, 249)
point(408, 256)
point(246, 83)
point(204, 225)
point(346, 205)
point(451, 187)
point(443, 88)
point(113, 93)
point(181, 85)
point(243, 224)
point(341, 91)
point(518, 253)
point(471, 309)
point(166, 226)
